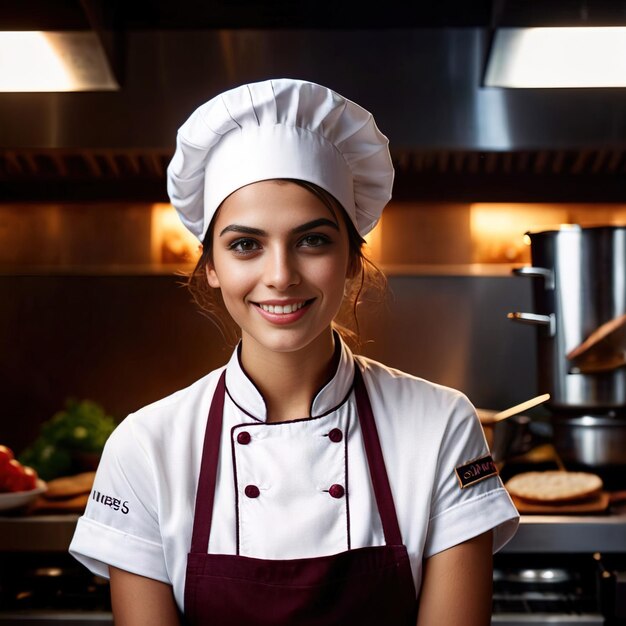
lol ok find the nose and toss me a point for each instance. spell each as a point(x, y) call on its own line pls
point(281, 271)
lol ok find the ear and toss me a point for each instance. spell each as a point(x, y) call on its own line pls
point(211, 276)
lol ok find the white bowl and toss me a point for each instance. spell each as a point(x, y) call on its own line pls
point(17, 499)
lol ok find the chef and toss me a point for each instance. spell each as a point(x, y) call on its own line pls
point(300, 483)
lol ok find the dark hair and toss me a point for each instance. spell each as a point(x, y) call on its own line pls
point(367, 281)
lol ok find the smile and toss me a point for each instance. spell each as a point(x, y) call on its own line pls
point(282, 309)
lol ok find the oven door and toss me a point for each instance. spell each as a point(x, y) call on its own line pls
point(542, 589)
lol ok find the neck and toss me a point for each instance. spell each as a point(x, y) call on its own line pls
point(289, 380)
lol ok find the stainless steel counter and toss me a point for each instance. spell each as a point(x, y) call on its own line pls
point(36, 533)
point(570, 534)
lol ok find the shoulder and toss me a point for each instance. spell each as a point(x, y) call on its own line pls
point(409, 409)
point(401, 388)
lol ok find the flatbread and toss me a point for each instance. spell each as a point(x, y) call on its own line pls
point(554, 486)
point(70, 486)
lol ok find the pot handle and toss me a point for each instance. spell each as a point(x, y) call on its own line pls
point(542, 272)
point(535, 319)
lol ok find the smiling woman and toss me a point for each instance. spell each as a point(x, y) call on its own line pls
point(299, 483)
point(362, 276)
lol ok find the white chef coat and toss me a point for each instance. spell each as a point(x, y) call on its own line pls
point(140, 514)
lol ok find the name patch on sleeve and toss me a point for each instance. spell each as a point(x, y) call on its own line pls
point(474, 471)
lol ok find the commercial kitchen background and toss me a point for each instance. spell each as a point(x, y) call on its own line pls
point(88, 308)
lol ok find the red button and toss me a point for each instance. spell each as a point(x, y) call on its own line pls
point(336, 491)
point(252, 491)
point(335, 435)
point(244, 438)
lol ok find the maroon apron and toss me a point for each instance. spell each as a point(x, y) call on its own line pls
point(366, 586)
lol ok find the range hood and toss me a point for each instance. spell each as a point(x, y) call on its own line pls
point(451, 138)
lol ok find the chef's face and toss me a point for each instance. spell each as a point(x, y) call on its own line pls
point(280, 258)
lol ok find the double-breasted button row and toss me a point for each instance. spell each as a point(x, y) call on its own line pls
point(335, 491)
point(244, 438)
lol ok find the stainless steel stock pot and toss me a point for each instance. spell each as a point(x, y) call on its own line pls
point(579, 286)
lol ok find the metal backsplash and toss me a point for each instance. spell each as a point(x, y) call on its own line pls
point(125, 341)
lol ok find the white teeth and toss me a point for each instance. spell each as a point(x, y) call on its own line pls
point(280, 309)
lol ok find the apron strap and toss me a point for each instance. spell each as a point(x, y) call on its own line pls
point(376, 462)
point(208, 470)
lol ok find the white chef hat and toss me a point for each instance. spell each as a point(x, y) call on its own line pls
point(280, 128)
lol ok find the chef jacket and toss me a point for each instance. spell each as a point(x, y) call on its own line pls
point(293, 489)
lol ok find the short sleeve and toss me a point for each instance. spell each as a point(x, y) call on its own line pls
point(120, 525)
point(461, 511)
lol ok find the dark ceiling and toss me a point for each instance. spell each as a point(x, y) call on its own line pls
point(187, 14)
point(203, 14)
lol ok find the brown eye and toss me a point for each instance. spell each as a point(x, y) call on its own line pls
point(314, 240)
point(244, 246)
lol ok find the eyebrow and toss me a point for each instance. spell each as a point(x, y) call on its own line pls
point(248, 230)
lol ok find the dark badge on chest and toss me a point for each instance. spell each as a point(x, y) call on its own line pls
point(474, 471)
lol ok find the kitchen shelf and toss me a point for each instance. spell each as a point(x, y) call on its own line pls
point(470, 269)
point(97, 270)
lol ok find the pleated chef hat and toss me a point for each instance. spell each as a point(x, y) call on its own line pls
point(280, 128)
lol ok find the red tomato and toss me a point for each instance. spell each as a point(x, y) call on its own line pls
point(29, 479)
point(14, 476)
point(6, 454)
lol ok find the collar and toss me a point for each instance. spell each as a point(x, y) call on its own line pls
point(245, 394)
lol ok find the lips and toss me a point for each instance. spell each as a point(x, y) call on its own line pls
point(285, 312)
point(282, 309)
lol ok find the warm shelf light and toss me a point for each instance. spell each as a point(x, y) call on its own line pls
point(171, 241)
point(54, 61)
point(558, 57)
point(498, 230)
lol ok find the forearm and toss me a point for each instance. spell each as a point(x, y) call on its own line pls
point(457, 585)
point(140, 601)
